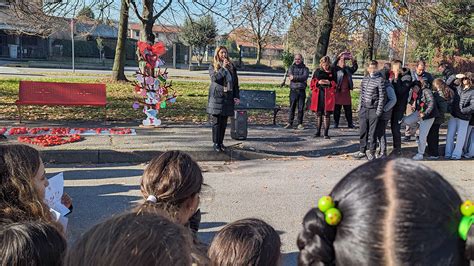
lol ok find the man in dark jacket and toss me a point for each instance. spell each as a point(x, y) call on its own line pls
point(402, 82)
point(371, 103)
point(298, 74)
point(449, 76)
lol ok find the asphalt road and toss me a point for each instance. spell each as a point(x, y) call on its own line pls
point(277, 191)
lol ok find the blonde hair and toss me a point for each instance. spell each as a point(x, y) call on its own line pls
point(324, 60)
point(216, 57)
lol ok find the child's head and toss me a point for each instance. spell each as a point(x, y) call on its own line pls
point(394, 212)
point(22, 184)
point(246, 242)
point(372, 67)
point(440, 86)
point(31, 243)
point(143, 238)
point(173, 182)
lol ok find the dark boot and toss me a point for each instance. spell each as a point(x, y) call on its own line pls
point(319, 124)
point(327, 122)
point(217, 147)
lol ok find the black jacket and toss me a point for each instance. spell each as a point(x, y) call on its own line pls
point(402, 85)
point(424, 102)
point(340, 72)
point(463, 103)
point(221, 102)
point(449, 77)
point(372, 93)
point(442, 105)
point(300, 75)
point(427, 77)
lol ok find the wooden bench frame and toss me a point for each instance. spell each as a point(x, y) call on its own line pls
point(275, 109)
point(77, 88)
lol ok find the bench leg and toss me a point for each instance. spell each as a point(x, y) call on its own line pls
point(19, 113)
point(105, 115)
point(275, 112)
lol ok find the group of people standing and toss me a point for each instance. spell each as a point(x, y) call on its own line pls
point(331, 87)
point(392, 94)
point(420, 102)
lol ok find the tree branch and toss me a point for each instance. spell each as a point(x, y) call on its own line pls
point(162, 10)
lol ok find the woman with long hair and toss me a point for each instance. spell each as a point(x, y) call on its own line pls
point(23, 184)
point(323, 98)
point(223, 95)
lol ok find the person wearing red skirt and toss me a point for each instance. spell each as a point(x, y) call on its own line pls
point(343, 77)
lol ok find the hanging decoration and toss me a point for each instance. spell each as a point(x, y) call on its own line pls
point(153, 90)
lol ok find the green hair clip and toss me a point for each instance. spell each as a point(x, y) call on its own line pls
point(332, 215)
point(467, 210)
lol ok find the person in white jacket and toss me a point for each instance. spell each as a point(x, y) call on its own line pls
point(390, 101)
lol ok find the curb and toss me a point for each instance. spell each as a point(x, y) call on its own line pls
point(142, 156)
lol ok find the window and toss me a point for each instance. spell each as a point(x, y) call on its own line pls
point(137, 33)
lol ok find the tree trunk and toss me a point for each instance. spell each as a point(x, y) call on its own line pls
point(322, 43)
point(371, 34)
point(259, 53)
point(118, 70)
point(147, 24)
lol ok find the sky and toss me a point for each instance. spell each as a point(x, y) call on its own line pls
point(176, 16)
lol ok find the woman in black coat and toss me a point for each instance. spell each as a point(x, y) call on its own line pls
point(223, 94)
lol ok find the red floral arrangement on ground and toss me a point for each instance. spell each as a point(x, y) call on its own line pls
point(50, 140)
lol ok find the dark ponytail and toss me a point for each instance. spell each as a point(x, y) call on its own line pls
point(470, 244)
point(394, 211)
point(316, 240)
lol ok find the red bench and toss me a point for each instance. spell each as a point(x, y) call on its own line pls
point(69, 94)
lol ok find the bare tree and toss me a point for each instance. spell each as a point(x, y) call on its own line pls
point(264, 18)
point(118, 69)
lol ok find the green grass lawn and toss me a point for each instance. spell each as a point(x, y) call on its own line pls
point(190, 105)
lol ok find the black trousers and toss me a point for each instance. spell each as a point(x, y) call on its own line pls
point(380, 136)
point(433, 140)
point(368, 122)
point(347, 113)
point(297, 98)
point(396, 127)
point(219, 124)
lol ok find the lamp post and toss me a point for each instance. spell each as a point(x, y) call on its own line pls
point(72, 45)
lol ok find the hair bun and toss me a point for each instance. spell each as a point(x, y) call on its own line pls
point(315, 241)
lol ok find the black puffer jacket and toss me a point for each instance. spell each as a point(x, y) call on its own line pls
point(402, 85)
point(372, 93)
point(221, 102)
point(300, 75)
point(425, 101)
point(463, 103)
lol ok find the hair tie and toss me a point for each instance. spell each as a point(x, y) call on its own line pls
point(467, 210)
point(152, 199)
point(332, 215)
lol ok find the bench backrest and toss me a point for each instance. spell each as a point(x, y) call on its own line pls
point(255, 99)
point(53, 93)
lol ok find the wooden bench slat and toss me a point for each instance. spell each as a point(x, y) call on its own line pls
point(51, 93)
point(62, 94)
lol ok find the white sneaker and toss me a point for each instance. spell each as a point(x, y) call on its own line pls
point(418, 157)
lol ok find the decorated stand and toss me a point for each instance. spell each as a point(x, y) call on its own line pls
point(152, 86)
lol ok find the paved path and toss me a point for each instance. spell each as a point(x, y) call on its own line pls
point(196, 139)
point(278, 191)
